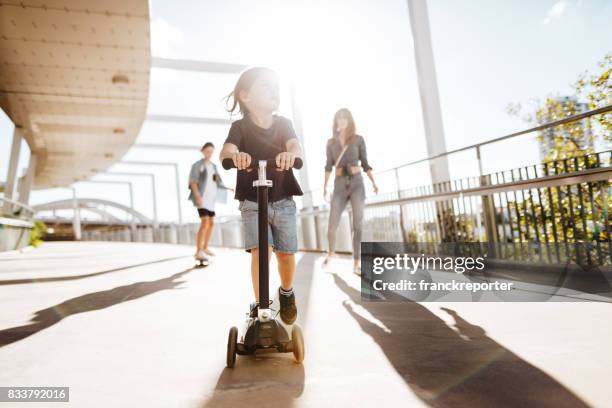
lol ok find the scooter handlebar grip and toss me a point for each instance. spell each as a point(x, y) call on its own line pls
point(228, 163)
point(298, 163)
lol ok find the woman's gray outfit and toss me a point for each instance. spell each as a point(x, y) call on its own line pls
point(347, 187)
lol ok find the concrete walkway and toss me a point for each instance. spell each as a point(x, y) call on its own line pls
point(132, 325)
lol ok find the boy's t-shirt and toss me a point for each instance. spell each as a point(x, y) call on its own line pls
point(209, 195)
point(264, 144)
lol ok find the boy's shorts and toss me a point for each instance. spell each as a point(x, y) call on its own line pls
point(203, 212)
point(282, 228)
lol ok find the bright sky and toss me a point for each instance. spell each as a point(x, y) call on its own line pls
point(358, 54)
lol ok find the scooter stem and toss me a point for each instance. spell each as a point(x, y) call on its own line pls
point(262, 185)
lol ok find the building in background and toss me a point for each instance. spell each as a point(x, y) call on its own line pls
point(575, 136)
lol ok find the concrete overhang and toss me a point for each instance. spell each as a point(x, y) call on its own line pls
point(74, 77)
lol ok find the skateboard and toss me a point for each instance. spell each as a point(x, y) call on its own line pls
point(202, 263)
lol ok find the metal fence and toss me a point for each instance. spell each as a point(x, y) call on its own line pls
point(541, 211)
point(15, 224)
point(15, 210)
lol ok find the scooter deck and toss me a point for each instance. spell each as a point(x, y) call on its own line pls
point(270, 335)
point(243, 350)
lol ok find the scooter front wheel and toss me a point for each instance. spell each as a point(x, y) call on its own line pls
point(298, 343)
point(231, 347)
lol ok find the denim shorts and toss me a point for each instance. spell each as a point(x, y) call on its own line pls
point(282, 228)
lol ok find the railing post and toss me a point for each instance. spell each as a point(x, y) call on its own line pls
point(178, 201)
point(308, 223)
point(401, 207)
point(488, 208)
point(317, 231)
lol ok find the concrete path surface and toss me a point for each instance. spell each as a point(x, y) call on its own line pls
point(134, 325)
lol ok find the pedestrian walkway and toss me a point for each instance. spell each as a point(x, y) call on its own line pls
point(127, 324)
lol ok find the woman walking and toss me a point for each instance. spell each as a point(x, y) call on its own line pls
point(346, 151)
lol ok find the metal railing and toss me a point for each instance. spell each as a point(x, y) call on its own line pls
point(16, 224)
point(533, 213)
point(15, 209)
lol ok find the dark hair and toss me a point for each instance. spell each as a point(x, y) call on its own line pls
point(207, 144)
point(245, 82)
point(350, 129)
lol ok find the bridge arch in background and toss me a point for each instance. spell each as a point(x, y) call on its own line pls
point(86, 204)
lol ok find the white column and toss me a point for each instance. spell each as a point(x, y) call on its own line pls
point(303, 173)
point(428, 89)
point(178, 193)
point(154, 194)
point(11, 176)
point(133, 220)
point(155, 222)
point(24, 194)
point(76, 220)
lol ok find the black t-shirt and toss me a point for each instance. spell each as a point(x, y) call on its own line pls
point(263, 144)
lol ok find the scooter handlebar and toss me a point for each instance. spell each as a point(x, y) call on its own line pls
point(228, 163)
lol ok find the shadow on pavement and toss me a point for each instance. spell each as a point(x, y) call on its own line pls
point(38, 259)
point(302, 281)
point(460, 367)
point(88, 275)
point(87, 303)
point(268, 379)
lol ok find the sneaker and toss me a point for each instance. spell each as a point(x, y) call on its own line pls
point(200, 255)
point(209, 252)
point(288, 310)
point(357, 270)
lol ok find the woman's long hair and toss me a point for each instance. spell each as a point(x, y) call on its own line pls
point(245, 82)
point(351, 135)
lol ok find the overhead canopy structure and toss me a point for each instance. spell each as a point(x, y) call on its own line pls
point(74, 78)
